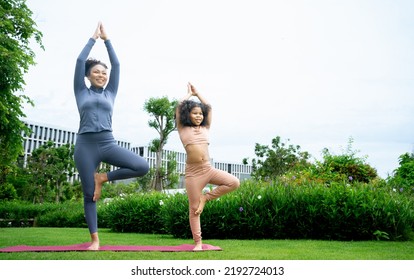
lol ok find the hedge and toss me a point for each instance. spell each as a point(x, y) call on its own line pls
point(256, 210)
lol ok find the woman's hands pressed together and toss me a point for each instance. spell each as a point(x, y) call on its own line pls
point(100, 32)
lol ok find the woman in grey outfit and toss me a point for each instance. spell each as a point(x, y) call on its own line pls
point(95, 142)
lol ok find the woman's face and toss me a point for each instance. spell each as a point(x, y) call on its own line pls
point(196, 116)
point(98, 76)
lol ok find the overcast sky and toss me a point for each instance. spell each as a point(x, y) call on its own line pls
point(312, 71)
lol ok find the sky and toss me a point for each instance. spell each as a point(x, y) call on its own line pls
point(317, 73)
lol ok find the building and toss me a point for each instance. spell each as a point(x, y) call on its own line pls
point(42, 133)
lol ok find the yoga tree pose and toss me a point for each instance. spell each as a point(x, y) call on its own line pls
point(193, 123)
point(95, 142)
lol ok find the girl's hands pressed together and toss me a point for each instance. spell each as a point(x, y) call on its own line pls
point(192, 90)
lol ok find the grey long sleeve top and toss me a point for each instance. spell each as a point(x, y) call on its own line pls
point(95, 105)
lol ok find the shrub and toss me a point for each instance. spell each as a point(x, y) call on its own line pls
point(18, 213)
point(135, 213)
point(113, 190)
point(174, 213)
point(7, 192)
point(66, 214)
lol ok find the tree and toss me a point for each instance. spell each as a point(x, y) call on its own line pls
point(346, 166)
point(17, 28)
point(406, 169)
point(403, 177)
point(163, 112)
point(51, 167)
point(276, 160)
point(21, 180)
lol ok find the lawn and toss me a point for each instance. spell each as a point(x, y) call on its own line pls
point(232, 249)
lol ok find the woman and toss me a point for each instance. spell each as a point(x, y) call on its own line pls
point(193, 123)
point(95, 142)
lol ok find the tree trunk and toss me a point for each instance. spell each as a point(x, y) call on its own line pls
point(58, 192)
point(158, 182)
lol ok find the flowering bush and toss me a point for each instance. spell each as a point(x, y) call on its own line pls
point(283, 209)
point(280, 211)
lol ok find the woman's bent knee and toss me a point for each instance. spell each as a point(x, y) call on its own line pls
point(141, 168)
point(144, 169)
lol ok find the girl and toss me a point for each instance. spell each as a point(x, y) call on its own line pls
point(193, 123)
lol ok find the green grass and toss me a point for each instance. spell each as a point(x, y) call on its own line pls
point(232, 249)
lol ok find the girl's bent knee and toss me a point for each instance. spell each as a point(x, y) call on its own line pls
point(192, 209)
point(235, 184)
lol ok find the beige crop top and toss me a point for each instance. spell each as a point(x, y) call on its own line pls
point(193, 135)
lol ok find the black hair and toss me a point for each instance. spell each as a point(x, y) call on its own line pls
point(185, 108)
point(90, 63)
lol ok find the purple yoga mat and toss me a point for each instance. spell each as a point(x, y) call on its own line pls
point(84, 246)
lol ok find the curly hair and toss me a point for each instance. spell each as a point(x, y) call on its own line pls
point(185, 108)
point(90, 63)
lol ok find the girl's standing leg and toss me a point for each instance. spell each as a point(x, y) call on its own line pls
point(225, 183)
point(195, 181)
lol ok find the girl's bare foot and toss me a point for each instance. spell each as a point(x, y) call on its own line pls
point(198, 247)
point(200, 208)
point(95, 242)
point(100, 178)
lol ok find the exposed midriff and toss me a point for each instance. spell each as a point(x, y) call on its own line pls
point(197, 153)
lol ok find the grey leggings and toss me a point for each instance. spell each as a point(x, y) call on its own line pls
point(90, 150)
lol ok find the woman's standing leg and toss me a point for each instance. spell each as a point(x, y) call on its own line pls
point(87, 160)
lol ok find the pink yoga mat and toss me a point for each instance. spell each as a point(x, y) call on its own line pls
point(84, 246)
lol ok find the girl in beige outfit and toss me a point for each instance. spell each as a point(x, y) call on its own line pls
point(193, 123)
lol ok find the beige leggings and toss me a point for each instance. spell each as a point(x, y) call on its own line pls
point(197, 176)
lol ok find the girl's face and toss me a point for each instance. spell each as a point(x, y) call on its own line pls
point(196, 116)
point(98, 76)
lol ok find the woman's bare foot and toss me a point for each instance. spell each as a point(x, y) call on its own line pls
point(200, 208)
point(94, 246)
point(95, 242)
point(100, 178)
point(198, 247)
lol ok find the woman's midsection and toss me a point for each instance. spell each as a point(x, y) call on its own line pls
point(197, 153)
